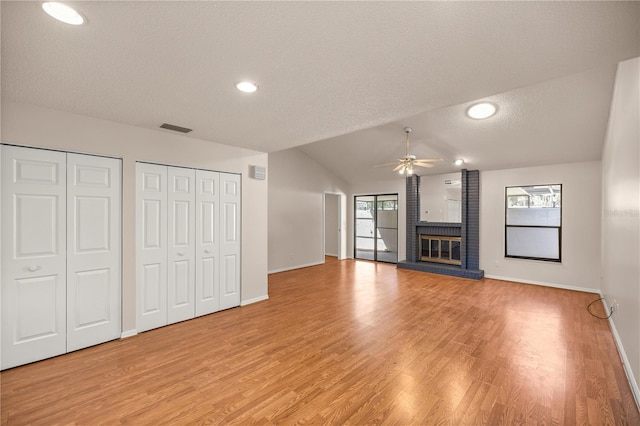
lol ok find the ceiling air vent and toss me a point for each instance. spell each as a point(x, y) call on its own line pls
point(175, 128)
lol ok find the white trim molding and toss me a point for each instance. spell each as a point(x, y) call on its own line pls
point(291, 268)
point(623, 356)
point(128, 333)
point(544, 284)
point(254, 300)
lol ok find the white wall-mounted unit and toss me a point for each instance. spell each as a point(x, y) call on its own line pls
point(188, 243)
point(61, 261)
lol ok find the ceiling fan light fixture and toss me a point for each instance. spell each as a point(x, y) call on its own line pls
point(404, 165)
point(63, 13)
point(459, 162)
point(481, 110)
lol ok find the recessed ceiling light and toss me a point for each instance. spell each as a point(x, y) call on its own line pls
point(459, 162)
point(63, 13)
point(482, 110)
point(247, 87)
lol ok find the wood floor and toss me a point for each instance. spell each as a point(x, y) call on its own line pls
point(348, 342)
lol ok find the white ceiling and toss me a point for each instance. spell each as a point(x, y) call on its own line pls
point(342, 77)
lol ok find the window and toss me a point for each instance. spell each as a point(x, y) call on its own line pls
point(533, 222)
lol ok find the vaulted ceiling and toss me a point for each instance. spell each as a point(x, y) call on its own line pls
point(338, 79)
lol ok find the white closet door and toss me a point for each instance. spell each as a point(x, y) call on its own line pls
point(33, 255)
point(230, 240)
point(207, 242)
point(151, 252)
point(93, 250)
point(181, 253)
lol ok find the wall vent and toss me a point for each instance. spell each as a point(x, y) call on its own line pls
point(175, 128)
point(258, 172)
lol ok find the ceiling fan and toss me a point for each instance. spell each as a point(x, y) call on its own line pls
point(405, 164)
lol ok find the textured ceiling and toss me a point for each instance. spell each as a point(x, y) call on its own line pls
point(556, 121)
point(358, 71)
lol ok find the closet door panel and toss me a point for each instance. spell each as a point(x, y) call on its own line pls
point(230, 240)
point(181, 244)
point(207, 242)
point(151, 251)
point(33, 254)
point(93, 253)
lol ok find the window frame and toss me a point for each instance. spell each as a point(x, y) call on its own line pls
point(507, 226)
point(375, 223)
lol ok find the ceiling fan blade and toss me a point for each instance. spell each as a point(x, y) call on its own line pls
point(427, 165)
point(428, 160)
point(386, 164)
point(398, 167)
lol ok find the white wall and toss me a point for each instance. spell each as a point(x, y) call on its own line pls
point(396, 186)
point(37, 127)
point(331, 224)
point(296, 195)
point(621, 214)
point(581, 188)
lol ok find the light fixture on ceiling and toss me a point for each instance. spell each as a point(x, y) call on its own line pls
point(63, 13)
point(482, 110)
point(246, 86)
point(459, 162)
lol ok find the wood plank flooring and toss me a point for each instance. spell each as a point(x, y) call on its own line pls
point(348, 342)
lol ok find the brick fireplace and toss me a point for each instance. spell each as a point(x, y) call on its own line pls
point(463, 238)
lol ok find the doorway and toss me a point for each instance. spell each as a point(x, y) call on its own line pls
point(376, 227)
point(334, 241)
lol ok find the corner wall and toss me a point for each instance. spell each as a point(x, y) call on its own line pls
point(621, 215)
point(580, 266)
point(296, 195)
point(32, 126)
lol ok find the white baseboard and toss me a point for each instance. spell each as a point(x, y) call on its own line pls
point(128, 333)
point(291, 268)
point(544, 284)
point(254, 300)
point(623, 357)
point(331, 254)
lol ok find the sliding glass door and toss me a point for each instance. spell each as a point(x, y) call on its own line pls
point(376, 227)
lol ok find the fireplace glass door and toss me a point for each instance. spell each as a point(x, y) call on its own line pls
point(434, 248)
point(376, 227)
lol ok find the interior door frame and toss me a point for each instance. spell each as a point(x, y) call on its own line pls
point(342, 214)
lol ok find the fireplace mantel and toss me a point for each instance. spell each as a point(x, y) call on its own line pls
point(445, 229)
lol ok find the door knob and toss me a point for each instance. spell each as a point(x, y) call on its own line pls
point(207, 251)
point(33, 268)
point(180, 253)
